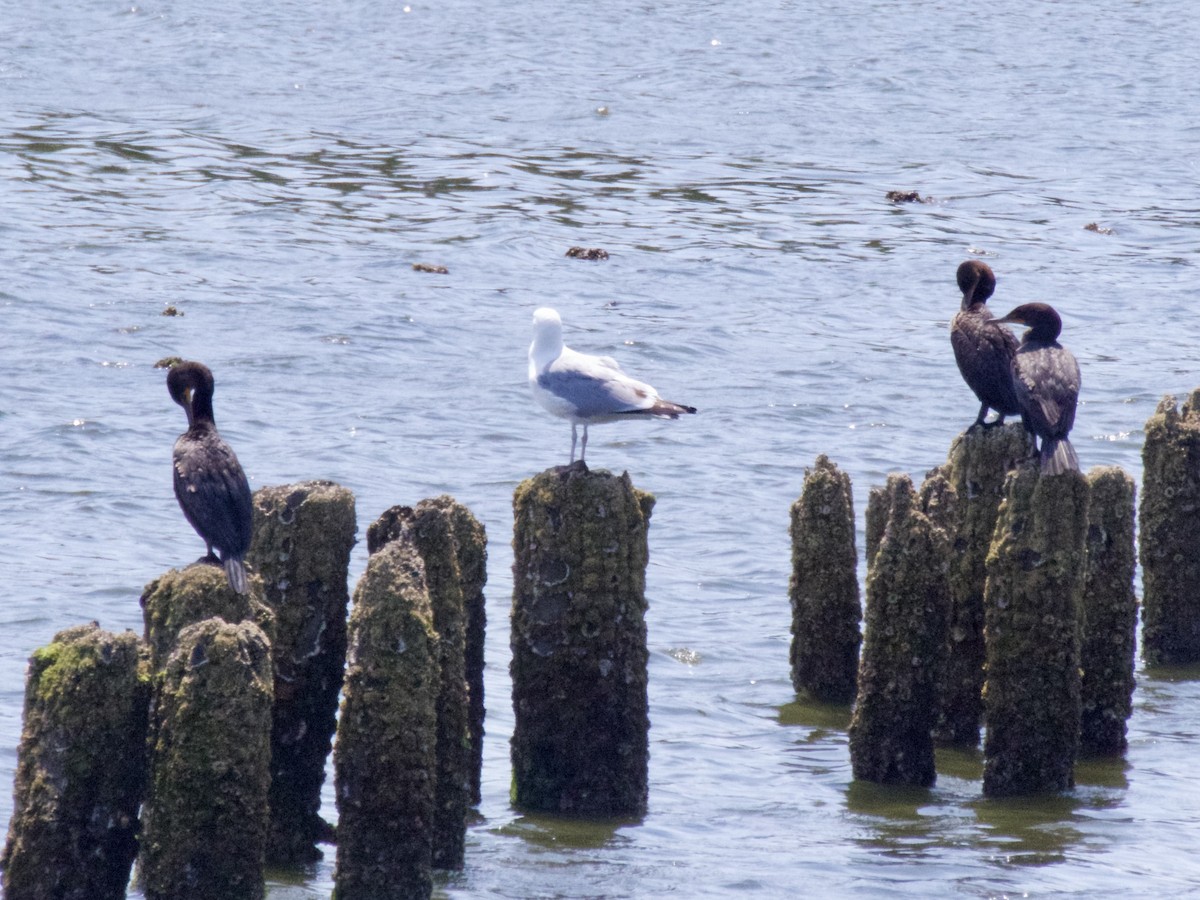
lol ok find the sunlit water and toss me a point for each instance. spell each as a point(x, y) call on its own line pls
point(274, 171)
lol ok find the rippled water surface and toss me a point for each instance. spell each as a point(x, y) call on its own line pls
point(273, 171)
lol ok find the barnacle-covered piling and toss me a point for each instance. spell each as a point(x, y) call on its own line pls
point(80, 768)
point(1035, 581)
point(385, 755)
point(205, 820)
point(579, 666)
point(183, 597)
point(908, 606)
point(303, 535)
point(470, 544)
point(976, 467)
point(428, 528)
point(1109, 613)
point(824, 587)
point(1168, 539)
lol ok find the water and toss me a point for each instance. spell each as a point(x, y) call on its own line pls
point(274, 172)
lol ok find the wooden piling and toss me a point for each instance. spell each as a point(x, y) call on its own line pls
point(428, 528)
point(1109, 614)
point(470, 544)
point(580, 744)
point(978, 462)
point(183, 597)
point(205, 819)
point(303, 535)
point(80, 768)
point(1032, 631)
point(907, 611)
point(824, 586)
point(1168, 539)
point(385, 757)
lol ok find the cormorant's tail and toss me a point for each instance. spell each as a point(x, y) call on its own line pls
point(235, 571)
point(1058, 456)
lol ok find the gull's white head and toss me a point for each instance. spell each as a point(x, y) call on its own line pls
point(546, 320)
point(547, 336)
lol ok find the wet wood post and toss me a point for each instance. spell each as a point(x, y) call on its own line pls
point(429, 529)
point(303, 535)
point(580, 745)
point(1032, 631)
point(904, 647)
point(1168, 538)
point(204, 831)
point(823, 589)
point(183, 597)
point(978, 461)
point(80, 768)
point(385, 755)
point(470, 544)
point(1109, 614)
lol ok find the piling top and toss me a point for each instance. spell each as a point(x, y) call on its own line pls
point(183, 597)
point(315, 516)
point(543, 487)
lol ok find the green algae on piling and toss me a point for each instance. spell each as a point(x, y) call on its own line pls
point(1168, 539)
point(303, 535)
point(823, 588)
point(1032, 631)
point(385, 754)
point(908, 606)
point(428, 528)
point(580, 745)
point(976, 467)
point(1109, 613)
point(183, 597)
point(205, 818)
point(81, 768)
point(470, 545)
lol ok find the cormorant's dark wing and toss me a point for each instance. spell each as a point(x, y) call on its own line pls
point(213, 492)
point(1047, 381)
point(984, 353)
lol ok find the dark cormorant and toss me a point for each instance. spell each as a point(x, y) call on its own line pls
point(984, 354)
point(1046, 378)
point(209, 482)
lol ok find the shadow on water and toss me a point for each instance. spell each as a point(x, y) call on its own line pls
point(821, 717)
point(558, 833)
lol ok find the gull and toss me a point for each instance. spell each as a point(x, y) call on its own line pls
point(586, 389)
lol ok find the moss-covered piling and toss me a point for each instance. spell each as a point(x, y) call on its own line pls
point(579, 667)
point(303, 535)
point(385, 755)
point(205, 819)
point(908, 607)
point(1109, 614)
point(1032, 631)
point(824, 586)
point(1168, 539)
point(184, 597)
point(428, 528)
point(976, 467)
point(470, 544)
point(80, 768)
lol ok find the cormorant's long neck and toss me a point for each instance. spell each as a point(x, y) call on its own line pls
point(1043, 331)
point(200, 412)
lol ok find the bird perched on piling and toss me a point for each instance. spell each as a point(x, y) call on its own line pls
point(209, 482)
point(1046, 379)
point(585, 389)
point(984, 354)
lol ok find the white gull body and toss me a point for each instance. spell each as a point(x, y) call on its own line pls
point(584, 389)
